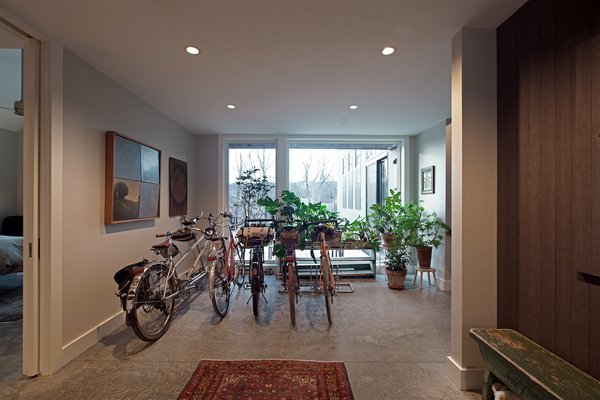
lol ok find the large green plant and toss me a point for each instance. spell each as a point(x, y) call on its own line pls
point(397, 256)
point(360, 229)
point(424, 230)
point(295, 213)
point(385, 217)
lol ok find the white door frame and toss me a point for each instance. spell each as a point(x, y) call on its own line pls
point(42, 200)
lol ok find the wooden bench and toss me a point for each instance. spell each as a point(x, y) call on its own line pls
point(529, 370)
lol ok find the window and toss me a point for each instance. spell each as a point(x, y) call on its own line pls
point(333, 174)
point(244, 158)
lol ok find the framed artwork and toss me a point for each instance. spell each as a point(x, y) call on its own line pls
point(428, 180)
point(132, 180)
point(178, 189)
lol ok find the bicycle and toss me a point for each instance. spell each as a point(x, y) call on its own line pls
point(223, 266)
point(254, 235)
point(291, 283)
point(326, 281)
point(148, 289)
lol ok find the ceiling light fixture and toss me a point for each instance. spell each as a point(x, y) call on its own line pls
point(192, 50)
point(386, 51)
point(230, 106)
point(353, 107)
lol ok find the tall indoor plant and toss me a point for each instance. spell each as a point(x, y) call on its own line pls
point(388, 217)
point(397, 257)
point(425, 232)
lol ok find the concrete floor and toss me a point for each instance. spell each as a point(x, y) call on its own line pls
point(393, 343)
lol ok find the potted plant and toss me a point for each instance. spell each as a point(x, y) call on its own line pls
point(296, 213)
point(386, 217)
point(361, 234)
point(397, 257)
point(425, 231)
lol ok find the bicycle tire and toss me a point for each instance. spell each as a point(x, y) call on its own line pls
point(326, 270)
point(291, 287)
point(150, 314)
point(255, 284)
point(219, 289)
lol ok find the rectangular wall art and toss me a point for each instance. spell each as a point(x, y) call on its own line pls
point(132, 180)
point(178, 187)
point(428, 180)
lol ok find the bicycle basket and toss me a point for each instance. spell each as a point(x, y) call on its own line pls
point(331, 235)
point(255, 235)
point(288, 238)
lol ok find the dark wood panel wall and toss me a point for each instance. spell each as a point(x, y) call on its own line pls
point(549, 177)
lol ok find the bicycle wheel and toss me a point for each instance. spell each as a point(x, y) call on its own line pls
point(326, 270)
point(291, 287)
point(255, 284)
point(219, 290)
point(240, 273)
point(153, 305)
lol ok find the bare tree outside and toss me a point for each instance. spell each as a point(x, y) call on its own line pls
point(242, 161)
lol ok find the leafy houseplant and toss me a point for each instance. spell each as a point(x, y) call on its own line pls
point(425, 232)
point(383, 215)
point(397, 256)
point(295, 213)
point(361, 231)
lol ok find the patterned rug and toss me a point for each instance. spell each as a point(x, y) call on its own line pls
point(268, 379)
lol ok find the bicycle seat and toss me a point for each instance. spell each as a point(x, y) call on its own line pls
point(162, 245)
point(183, 236)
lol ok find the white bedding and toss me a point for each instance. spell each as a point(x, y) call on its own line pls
point(11, 254)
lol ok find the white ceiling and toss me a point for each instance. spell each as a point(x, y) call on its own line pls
point(290, 66)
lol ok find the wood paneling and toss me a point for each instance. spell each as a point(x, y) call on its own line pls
point(549, 177)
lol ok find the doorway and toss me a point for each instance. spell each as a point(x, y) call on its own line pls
point(19, 210)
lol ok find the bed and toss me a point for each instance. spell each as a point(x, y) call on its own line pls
point(11, 254)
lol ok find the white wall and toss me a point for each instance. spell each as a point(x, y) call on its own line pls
point(207, 184)
point(430, 149)
point(474, 200)
point(92, 251)
point(11, 171)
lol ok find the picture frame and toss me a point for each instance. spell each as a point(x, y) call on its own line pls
point(132, 180)
point(178, 187)
point(428, 180)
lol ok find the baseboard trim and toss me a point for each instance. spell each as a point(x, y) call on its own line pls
point(464, 378)
point(445, 285)
point(77, 346)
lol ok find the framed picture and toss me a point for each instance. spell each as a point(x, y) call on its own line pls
point(178, 189)
point(428, 180)
point(132, 180)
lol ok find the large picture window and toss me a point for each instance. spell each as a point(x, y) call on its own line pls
point(256, 159)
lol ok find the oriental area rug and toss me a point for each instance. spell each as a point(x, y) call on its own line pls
point(268, 379)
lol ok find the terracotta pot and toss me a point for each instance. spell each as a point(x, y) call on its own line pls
point(424, 256)
point(387, 239)
point(395, 279)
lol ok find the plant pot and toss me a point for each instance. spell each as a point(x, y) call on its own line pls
point(387, 239)
point(424, 256)
point(395, 279)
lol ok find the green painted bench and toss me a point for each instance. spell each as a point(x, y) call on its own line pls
point(530, 370)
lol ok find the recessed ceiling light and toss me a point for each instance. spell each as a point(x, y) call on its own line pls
point(353, 107)
point(192, 50)
point(230, 106)
point(386, 51)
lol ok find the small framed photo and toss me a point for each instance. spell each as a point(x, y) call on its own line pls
point(428, 180)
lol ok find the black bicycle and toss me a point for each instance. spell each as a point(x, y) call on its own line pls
point(254, 235)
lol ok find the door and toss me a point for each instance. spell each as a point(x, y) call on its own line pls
point(19, 99)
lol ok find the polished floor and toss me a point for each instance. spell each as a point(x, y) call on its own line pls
point(393, 343)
